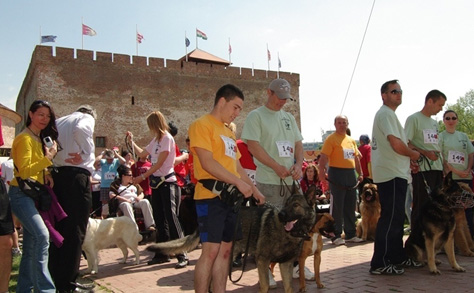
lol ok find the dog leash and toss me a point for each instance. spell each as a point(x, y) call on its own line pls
point(420, 161)
point(294, 186)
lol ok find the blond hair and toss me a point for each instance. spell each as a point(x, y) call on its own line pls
point(157, 124)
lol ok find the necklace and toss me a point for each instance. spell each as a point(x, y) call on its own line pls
point(37, 135)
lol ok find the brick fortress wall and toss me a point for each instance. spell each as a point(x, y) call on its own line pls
point(182, 91)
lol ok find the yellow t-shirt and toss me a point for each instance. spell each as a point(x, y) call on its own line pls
point(341, 150)
point(210, 134)
point(28, 157)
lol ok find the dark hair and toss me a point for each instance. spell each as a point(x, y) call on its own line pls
point(87, 109)
point(384, 87)
point(50, 130)
point(122, 169)
point(316, 173)
point(435, 95)
point(228, 92)
point(124, 153)
point(450, 111)
point(173, 129)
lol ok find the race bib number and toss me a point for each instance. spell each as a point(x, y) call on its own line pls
point(285, 149)
point(230, 146)
point(252, 174)
point(455, 157)
point(348, 154)
point(109, 175)
point(430, 136)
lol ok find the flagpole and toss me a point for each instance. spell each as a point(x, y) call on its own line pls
point(278, 71)
point(40, 35)
point(136, 37)
point(185, 46)
point(196, 38)
point(230, 51)
point(82, 34)
point(268, 61)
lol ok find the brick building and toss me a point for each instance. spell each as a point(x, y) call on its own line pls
point(125, 89)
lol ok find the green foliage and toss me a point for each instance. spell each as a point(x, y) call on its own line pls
point(464, 107)
point(14, 274)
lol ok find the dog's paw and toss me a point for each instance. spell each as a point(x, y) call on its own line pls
point(123, 261)
point(302, 289)
point(320, 285)
point(459, 269)
point(435, 272)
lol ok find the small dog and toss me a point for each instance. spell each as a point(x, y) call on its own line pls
point(435, 228)
point(462, 236)
point(100, 234)
point(369, 211)
point(324, 226)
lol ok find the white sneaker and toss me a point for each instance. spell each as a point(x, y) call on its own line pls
point(338, 241)
point(308, 275)
point(355, 239)
point(271, 281)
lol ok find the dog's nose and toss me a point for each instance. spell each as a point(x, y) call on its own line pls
point(282, 216)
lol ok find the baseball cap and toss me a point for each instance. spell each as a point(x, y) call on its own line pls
point(282, 88)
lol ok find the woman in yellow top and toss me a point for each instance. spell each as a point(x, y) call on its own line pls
point(31, 158)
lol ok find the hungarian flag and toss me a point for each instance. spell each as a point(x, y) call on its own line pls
point(88, 31)
point(201, 34)
point(47, 39)
point(139, 38)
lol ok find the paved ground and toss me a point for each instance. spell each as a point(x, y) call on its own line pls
point(343, 269)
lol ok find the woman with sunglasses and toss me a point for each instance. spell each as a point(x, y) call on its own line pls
point(32, 158)
point(458, 154)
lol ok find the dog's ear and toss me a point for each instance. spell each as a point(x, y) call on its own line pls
point(448, 180)
point(310, 195)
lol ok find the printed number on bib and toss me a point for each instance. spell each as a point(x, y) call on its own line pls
point(348, 154)
point(285, 149)
point(430, 136)
point(109, 175)
point(230, 146)
point(455, 157)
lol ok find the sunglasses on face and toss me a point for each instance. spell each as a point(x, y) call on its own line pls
point(451, 118)
point(395, 92)
point(127, 174)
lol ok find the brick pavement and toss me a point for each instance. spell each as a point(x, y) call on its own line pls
point(343, 269)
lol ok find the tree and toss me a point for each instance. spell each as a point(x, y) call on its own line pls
point(464, 107)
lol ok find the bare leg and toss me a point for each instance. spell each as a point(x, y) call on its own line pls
point(5, 261)
point(220, 269)
point(204, 265)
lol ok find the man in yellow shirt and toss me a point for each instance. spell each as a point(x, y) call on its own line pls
point(216, 157)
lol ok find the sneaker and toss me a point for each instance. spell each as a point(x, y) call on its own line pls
point(182, 264)
point(387, 270)
point(16, 251)
point(308, 275)
point(338, 241)
point(355, 239)
point(271, 281)
point(411, 263)
point(158, 260)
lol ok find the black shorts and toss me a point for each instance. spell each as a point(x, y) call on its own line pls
point(6, 220)
point(216, 220)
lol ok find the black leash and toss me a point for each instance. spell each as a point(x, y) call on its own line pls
point(295, 185)
point(420, 161)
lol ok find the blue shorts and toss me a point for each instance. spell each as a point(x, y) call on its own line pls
point(216, 220)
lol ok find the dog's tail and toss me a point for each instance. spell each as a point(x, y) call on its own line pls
point(184, 244)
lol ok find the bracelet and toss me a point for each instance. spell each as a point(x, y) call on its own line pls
point(143, 176)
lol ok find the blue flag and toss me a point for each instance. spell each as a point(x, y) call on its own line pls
point(187, 42)
point(47, 39)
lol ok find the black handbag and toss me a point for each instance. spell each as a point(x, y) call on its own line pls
point(37, 191)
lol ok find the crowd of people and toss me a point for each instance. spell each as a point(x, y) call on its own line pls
point(263, 163)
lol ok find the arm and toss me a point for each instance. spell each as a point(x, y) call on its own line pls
point(210, 165)
point(183, 157)
point(323, 161)
point(432, 155)
point(258, 152)
point(259, 197)
point(161, 159)
point(402, 149)
point(358, 168)
point(296, 170)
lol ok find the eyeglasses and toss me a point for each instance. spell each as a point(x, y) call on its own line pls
point(451, 118)
point(395, 92)
point(127, 175)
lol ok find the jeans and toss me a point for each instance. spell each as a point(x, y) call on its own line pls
point(34, 271)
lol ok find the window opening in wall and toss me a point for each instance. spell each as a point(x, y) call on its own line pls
point(100, 141)
point(133, 100)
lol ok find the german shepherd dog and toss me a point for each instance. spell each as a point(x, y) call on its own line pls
point(369, 211)
point(462, 236)
point(324, 226)
point(272, 235)
point(435, 228)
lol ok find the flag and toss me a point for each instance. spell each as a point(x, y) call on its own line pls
point(279, 62)
point(88, 31)
point(269, 55)
point(230, 49)
point(201, 34)
point(187, 42)
point(139, 38)
point(46, 39)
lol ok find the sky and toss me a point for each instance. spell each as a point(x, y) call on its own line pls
point(424, 44)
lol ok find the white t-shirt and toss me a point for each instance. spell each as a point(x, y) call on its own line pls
point(154, 148)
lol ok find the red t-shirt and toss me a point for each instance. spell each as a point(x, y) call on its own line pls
point(246, 160)
point(140, 168)
point(180, 169)
point(366, 152)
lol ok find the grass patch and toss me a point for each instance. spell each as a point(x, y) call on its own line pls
point(14, 274)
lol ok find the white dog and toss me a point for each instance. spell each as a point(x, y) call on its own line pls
point(101, 234)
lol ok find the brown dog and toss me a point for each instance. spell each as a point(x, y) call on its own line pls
point(324, 226)
point(462, 236)
point(369, 212)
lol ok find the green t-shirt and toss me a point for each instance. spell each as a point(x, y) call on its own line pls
point(386, 163)
point(422, 132)
point(277, 132)
point(456, 148)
